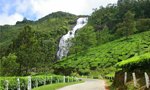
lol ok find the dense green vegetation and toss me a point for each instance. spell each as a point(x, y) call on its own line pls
point(95, 47)
point(54, 24)
point(31, 46)
point(136, 62)
point(103, 58)
point(109, 23)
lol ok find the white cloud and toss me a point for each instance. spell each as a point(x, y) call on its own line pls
point(11, 20)
point(41, 8)
point(92, 4)
point(44, 7)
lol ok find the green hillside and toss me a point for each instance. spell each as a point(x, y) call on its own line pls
point(54, 24)
point(113, 33)
point(116, 39)
point(33, 43)
point(103, 58)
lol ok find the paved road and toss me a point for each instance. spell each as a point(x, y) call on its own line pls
point(90, 84)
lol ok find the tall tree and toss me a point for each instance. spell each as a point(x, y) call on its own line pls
point(103, 35)
point(128, 26)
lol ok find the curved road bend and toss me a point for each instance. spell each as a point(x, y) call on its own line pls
point(89, 84)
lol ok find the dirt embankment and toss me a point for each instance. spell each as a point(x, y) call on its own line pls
point(119, 81)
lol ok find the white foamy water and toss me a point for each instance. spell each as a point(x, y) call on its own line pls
point(64, 43)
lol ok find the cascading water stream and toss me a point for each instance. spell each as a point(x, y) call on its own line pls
point(64, 43)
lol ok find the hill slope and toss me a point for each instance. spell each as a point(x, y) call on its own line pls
point(55, 24)
point(33, 43)
point(103, 58)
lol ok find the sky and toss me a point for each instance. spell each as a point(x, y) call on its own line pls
point(12, 11)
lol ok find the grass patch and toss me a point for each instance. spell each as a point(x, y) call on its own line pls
point(55, 86)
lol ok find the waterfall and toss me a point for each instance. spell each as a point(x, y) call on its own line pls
point(64, 43)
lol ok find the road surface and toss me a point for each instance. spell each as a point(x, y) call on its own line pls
point(90, 84)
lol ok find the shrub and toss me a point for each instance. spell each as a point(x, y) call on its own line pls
point(140, 61)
